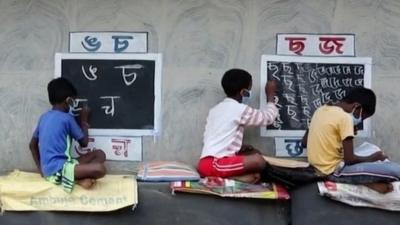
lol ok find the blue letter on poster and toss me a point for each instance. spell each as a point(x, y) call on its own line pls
point(293, 147)
point(121, 45)
point(91, 44)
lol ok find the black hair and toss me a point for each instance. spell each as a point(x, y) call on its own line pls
point(235, 80)
point(60, 89)
point(366, 97)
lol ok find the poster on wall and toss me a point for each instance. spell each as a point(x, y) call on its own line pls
point(115, 148)
point(123, 92)
point(315, 44)
point(108, 42)
point(289, 147)
point(306, 83)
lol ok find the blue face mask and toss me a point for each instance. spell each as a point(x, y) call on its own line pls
point(246, 97)
point(358, 120)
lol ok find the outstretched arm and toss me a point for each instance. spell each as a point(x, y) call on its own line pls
point(84, 118)
point(265, 116)
point(270, 91)
point(34, 147)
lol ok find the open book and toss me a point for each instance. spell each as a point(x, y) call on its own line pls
point(367, 149)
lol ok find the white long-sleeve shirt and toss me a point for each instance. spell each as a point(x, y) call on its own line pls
point(223, 135)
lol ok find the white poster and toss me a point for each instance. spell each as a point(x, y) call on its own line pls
point(315, 44)
point(115, 148)
point(108, 42)
point(289, 147)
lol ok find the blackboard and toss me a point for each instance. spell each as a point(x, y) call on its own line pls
point(122, 90)
point(306, 83)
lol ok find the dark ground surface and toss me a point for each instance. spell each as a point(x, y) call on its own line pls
point(308, 207)
point(158, 206)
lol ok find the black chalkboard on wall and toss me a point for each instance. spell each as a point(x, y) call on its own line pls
point(305, 83)
point(122, 90)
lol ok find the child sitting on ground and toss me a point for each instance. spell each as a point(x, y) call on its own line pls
point(223, 153)
point(329, 140)
point(51, 141)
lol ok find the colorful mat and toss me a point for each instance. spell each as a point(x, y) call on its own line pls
point(231, 188)
point(23, 191)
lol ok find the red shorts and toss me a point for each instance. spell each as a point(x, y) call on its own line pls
point(229, 166)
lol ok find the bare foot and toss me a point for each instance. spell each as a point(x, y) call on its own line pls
point(93, 182)
point(87, 183)
point(382, 188)
point(248, 178)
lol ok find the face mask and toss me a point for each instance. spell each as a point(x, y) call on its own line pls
point(71, 106)
point(71, 111)
point(246, 97)
point(358, 120)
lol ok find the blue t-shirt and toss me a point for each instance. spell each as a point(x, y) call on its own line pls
point(54, 132)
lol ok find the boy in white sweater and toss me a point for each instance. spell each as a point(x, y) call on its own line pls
point(224, 154)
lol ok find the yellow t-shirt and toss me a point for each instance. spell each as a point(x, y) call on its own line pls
point(329, 126)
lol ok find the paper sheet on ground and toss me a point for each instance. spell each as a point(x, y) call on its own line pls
point(23, 191)
point(360, 195)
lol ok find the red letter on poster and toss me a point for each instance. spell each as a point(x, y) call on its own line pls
point(330, 44)
point(296, 44)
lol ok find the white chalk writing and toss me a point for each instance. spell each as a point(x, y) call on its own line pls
point(129, 78)
point(307, 86)
point(109, 109)
point(76, 108)
point(92, 70)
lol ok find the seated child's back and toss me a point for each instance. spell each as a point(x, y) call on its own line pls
point(224, 154)
point(55, 131)
point(52, 139)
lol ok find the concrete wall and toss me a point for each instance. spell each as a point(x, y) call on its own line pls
point(199, 40)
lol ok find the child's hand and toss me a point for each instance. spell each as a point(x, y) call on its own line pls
point(379, 156)
point(270, 90)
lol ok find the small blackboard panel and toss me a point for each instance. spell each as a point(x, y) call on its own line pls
point(306, 83)
point(122, 90)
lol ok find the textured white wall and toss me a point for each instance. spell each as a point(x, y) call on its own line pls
point(199, 40)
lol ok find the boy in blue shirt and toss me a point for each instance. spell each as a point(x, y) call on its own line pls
point(51, 141)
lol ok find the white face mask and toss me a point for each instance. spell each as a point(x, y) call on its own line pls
point(71, 111)
point(358, 120)
point(71, 106)
point(246, 97)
